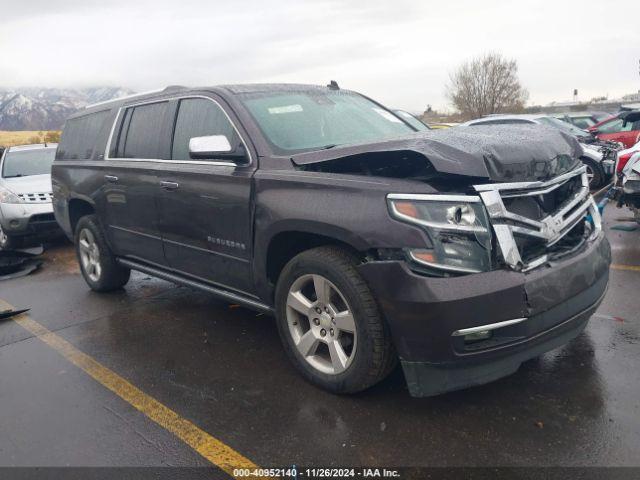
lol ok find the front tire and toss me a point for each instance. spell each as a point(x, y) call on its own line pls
point(595, 173)
point(97, 262)
point(329, 322)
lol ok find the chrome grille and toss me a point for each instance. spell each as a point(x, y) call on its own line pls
point(548, 225)
point(43, 197)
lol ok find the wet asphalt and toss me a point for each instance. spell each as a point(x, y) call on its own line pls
point(222, 367)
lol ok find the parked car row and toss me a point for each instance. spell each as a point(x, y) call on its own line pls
point(627, 185)
point(598, 156)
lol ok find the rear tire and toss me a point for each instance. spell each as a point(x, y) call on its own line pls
point(595, 172)
point(337, 338)
point(97, 262)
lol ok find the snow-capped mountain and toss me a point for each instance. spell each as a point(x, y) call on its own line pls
point(47, 108)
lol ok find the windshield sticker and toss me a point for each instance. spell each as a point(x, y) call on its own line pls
point(387, 115)
point(285, 109)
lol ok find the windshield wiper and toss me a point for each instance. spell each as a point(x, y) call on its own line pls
point(14, 176)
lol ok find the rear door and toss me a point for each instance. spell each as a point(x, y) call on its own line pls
point(140, 142)
point(205, 204)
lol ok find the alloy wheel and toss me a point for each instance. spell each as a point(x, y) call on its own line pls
point(89, 254)
point(321, 324)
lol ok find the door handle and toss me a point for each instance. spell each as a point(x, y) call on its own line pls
point(111, 178)
point(169, 185)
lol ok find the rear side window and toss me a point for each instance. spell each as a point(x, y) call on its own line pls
point(142, 131)
point(80, 135)
point(199, 117)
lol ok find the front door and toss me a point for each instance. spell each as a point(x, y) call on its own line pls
point(131, 185)
point(205, 205)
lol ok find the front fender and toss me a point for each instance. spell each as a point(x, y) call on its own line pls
point(349, 210)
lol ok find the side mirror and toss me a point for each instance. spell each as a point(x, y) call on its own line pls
point(632, 117)
point(211, 146)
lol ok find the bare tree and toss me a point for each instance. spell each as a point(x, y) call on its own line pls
point(487, 84)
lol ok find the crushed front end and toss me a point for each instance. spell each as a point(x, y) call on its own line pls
point(511, 271)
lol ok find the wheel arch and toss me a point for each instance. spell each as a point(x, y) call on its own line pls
point(288, 241)
point(78, 208)
point(287, 244)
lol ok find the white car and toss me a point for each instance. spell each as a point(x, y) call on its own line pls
point(599, 166)
point(25, 193)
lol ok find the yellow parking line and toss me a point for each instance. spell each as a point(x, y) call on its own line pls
point(633, 268)
point(209, 447)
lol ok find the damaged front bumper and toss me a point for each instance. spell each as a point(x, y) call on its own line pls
point(431, 319)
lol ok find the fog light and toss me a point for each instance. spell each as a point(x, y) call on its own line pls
point(14, 223)
point(477, 336)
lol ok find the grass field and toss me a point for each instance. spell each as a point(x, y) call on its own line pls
point(8, 138)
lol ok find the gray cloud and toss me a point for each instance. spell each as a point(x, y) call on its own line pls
point(398, 52)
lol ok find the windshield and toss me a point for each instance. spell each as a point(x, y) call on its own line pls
point(564, 126)
point(316, 119)
point(23, 163)
point(411, 120)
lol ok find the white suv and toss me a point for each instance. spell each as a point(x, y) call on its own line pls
point(25, 193)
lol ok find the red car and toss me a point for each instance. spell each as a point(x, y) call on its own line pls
point(623, 128)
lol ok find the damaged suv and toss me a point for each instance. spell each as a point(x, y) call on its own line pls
point(460, 252)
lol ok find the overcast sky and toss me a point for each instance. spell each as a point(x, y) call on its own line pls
point(399, 52)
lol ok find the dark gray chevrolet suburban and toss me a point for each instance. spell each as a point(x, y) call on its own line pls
point(460, 252)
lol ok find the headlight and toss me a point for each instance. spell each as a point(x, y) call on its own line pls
point(457, 225)
point(7, 196)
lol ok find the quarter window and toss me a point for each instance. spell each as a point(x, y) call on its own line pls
point(199, 117)
point(141, 135)
point(80, 135)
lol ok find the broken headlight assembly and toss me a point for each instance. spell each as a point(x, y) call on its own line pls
point(457, 225)
point(7, 196)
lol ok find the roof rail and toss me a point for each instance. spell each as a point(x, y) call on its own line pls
point(134, 95)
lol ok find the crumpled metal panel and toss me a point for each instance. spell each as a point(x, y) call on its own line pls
point(500, 153)
point(566, 279)
point(17, 263)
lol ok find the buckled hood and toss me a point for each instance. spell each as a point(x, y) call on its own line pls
point(509, 153)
